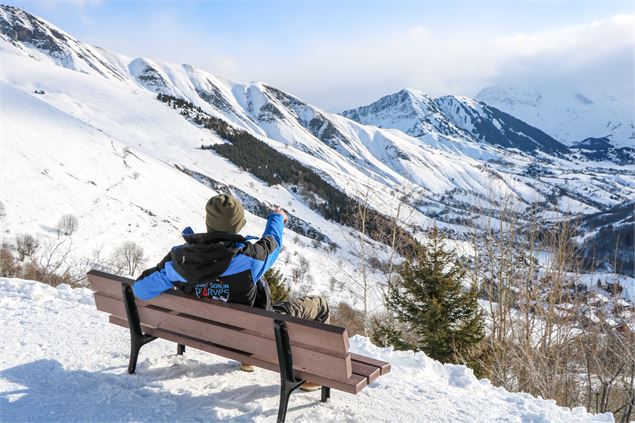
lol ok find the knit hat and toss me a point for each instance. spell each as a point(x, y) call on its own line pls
point(224, 213)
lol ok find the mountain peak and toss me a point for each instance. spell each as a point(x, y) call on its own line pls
point(418, 115)
point(21, 26)
point(412, 92)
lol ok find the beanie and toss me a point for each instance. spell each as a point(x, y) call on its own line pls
point(224, 213)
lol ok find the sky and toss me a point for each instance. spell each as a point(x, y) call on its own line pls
point(343, 54)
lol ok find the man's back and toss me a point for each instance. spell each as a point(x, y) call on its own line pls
point(217, 265)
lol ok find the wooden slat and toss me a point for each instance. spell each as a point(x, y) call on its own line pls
point(105, 285)
point(110, 305)
point(315, 362)
point(383, 366)
point(352, 385)
point(310, 334)
point(366, 370)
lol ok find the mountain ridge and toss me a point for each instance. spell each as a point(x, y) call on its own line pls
point(417, 114)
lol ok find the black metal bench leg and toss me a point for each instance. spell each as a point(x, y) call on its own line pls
point(285, 394)
point(137, 338)
point(288, 382)
point(134, 355)
point(135, 345)
point(326, 393)
point(180, 349)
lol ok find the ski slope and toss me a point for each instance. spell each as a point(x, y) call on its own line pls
point(61, 361)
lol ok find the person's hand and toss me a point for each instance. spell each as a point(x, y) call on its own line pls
point(279, 210)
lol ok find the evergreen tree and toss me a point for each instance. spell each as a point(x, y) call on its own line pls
point(279, 291)
point(434, 313)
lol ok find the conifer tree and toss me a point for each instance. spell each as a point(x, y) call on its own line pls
point(279, 291)
point(434, 312)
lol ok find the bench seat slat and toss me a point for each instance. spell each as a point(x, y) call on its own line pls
point(366, 370)
point(353, 385)
point(382, 365)
point(301, 332)
point(315, 362)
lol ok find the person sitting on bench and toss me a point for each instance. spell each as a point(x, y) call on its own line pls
point(222, 265)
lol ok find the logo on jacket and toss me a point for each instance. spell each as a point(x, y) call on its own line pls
point(214, 290)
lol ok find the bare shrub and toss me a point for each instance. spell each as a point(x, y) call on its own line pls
point(128, 258)
point(100, 262)
point(67, 224)
point(58, 262)
point(299, 275)
point(9, 266)
point(26, 245)
point(360, 283)
point(609, 368)
point(346, 316)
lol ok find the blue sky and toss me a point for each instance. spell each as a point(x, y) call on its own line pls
point(339, 54)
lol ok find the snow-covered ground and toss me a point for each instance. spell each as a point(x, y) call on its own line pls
point(627, 283)
point(60, 361)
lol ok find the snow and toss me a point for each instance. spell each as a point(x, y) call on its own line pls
point(61, 361)
point(568, 112)
point(626, 282)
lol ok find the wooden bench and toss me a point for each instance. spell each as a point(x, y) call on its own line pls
point(300, 350)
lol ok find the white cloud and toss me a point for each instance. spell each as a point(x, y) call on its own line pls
point(337, 73)
point(163, 37)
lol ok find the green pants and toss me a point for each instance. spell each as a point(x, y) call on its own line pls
point(312, 307)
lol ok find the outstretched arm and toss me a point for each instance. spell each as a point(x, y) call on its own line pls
point(266, 250)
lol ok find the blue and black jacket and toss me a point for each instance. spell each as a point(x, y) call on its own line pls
point(217, 265)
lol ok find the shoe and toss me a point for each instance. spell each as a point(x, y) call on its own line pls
point(310, 387)
point(247, 367)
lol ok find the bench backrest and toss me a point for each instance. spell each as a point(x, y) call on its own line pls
point(320, 351)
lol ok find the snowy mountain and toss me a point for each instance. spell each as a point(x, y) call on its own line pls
point(134, 147)
point(416, 114)
point(44, 371)
point(43, 41)
point(84, 133)
point(569, 113)
point(469, 128)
